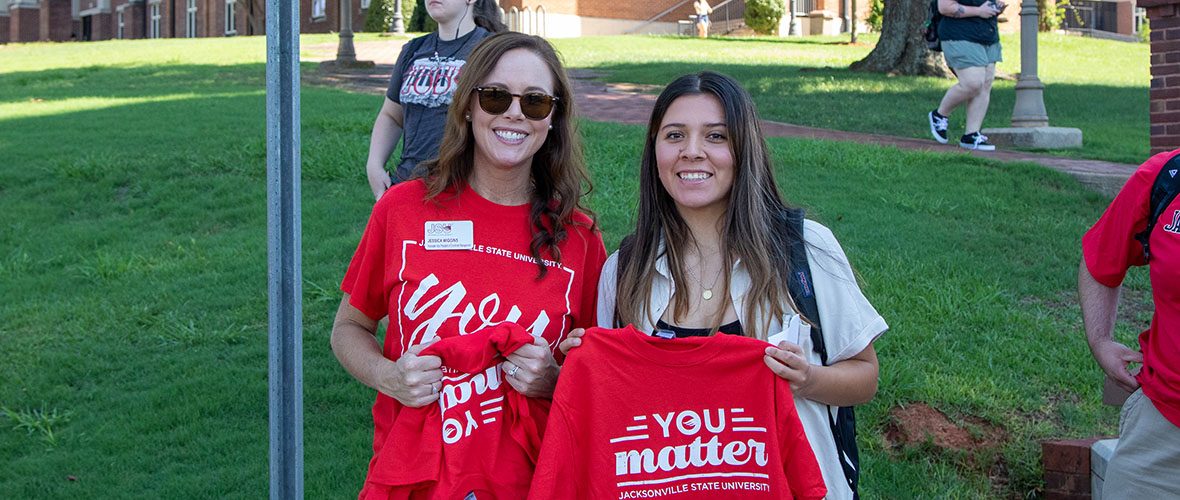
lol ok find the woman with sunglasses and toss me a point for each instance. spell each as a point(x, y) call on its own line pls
point(494, 231)
point(422, 86)
point(710, 253)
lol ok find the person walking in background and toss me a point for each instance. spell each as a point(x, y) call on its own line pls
point(703, 10)
point(1147, 456)
point(494, 231)
point(422, 86)
point(971, 44)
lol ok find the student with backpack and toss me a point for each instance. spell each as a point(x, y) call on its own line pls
point(715, 249)
point(422, 86)
point(1140, 227)
point(970, 42)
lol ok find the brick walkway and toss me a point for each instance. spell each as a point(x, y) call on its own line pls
point(626, 103)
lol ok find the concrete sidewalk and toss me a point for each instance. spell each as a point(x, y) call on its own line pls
point(626, 103)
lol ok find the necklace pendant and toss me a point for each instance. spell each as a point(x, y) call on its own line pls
point(707, 294)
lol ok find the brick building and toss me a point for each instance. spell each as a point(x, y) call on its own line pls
point(81, 20)
point(570, 18)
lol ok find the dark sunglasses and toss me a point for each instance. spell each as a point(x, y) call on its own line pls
point(534, 105)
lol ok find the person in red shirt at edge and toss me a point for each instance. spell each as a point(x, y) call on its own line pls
point(494, 231)
point(1147, 457)
point(710, 253)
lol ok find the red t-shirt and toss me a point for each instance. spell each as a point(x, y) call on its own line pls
point(636, 416)
point(480, 436)
point(428, 293)
point(1110, 248)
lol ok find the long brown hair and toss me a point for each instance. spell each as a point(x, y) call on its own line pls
point(486, 14)
point(753, 228)
point(558, 170)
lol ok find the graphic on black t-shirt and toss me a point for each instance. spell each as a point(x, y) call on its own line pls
point(430, 81)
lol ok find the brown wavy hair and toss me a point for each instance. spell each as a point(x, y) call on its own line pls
point(754, 228)
point(558, 171)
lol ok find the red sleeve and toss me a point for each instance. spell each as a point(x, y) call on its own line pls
point(1110, 247)
point(799, 465)
point(592, 268)
point(365, 279)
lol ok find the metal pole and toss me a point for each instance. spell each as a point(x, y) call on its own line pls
point(1029, 110)
point(345, 52)
point(284, 247)
point(397, 25)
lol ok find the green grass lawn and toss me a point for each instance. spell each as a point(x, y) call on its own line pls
point(133, 349)
point(1098, 86)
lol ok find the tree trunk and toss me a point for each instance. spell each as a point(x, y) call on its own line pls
point(901, 50)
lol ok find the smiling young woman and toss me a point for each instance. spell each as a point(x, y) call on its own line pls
point(506, 190)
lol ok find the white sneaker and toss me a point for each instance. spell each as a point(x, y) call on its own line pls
point(976, 140)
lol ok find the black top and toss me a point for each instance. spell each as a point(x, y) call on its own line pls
point(970, 29)
point(731, 328)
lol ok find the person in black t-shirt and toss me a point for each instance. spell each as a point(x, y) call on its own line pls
point(971, 45)
point(422, 85)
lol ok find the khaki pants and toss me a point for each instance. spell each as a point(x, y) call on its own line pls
point(1146, 461)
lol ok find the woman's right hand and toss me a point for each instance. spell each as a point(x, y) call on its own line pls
point(413, 380)
point(987, 10)
point(379, 180)
point(574, 339)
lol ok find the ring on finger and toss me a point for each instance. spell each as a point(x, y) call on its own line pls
point(512, 372)
point(433, 389)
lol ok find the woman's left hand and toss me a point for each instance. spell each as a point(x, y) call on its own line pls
point(789, 362)
point(531, 370)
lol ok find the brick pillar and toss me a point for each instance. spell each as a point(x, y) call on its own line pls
point(57, 21)
point(4, 27)
point(1164, 18)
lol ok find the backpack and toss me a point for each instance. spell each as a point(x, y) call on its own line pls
point(932, 41)
point(1163, 191)
point(843, 423)
point(802, 290)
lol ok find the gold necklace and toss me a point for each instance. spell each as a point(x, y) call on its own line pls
point(707, 293)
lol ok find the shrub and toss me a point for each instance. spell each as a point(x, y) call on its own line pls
point(875, 15)
point(763, 16)
point(420, 20)
point(1053, 15)
point(379, 18)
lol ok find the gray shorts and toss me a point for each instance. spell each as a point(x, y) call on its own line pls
point(1147, 456)
point(964, 54)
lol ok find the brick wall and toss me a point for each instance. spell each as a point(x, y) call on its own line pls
point(56, 21)
point(1164, 19)
point(4, 28)
point(1067, 469)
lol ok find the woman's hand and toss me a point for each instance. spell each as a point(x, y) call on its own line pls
point(789, 362)
point(413, 380)
point(531, 370)
point(987, 10)
point(574, 339)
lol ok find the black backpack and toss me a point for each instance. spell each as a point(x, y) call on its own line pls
point(802, 293)
point(932, 41)
point(1163, 191)
point(802, 290)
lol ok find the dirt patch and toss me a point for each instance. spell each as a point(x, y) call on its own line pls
point(916, 424)
point(971, 443)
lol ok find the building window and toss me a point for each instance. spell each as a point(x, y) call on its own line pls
point(155, 27)
point(231, 17)
point(190, 20)
point(120, 24)
point(318, 9)
point(365, 4)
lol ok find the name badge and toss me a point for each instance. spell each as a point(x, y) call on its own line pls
point(449, 235)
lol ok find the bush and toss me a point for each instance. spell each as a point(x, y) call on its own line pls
point(379, 17)
point(1053, 15)
point(763, 16)
point(420, 20)
point(875, 15)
